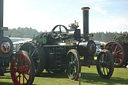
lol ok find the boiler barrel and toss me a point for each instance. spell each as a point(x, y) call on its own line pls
point(87, 48)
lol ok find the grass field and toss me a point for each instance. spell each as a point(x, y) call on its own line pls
point(89, 76)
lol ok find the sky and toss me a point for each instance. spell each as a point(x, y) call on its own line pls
point(43, 15)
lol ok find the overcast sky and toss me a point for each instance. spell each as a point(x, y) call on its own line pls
point(43, 15)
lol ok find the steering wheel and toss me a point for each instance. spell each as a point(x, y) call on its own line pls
point(59, 33)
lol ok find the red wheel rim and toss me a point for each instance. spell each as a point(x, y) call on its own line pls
point(117, 51)
point(21, 69)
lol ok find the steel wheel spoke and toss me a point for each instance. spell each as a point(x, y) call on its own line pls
point(23, 80)
point(115, 48)
point(74, 61)
point(33, 52)
point(73, 72)
point(119, 59)
point(72, 58)
point(24, 77)
point(103, 71)
point(107, 70)
point(121, 53)
point(18, 76)
point(21, 61)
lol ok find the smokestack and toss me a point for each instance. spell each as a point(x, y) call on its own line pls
point(86, 23)
point(1, 17)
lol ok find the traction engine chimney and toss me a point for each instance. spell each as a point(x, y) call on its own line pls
point(1, 17)
point(85, 23)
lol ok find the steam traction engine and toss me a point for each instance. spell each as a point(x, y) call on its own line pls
point(20, 63)
point(60, 50)
point(118, 47)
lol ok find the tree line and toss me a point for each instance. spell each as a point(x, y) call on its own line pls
point(21, 32)
point(106, 36)
point(30, 32)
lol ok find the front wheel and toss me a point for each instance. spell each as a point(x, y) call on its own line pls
point(105, 65)
point(73, 64)
point(22, 68)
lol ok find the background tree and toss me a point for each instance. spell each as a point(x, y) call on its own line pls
point(21, 32)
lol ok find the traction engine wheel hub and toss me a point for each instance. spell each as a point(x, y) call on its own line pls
point(5, 47)
point(21, 69)
point(114, 54)
point(71, 64)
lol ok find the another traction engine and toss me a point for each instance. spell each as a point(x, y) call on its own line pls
point(20, 63)
point(118, 47)
point(60, 51)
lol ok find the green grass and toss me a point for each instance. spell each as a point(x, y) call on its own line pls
point(89, 76)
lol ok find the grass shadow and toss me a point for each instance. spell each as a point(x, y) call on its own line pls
point(6, 83)
point(96, 79)
point(54, 75)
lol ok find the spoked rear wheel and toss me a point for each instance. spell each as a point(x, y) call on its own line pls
point(38, 55)
point(22, 69)
point(119, 53)
point(105, 65)
point(73, 64)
